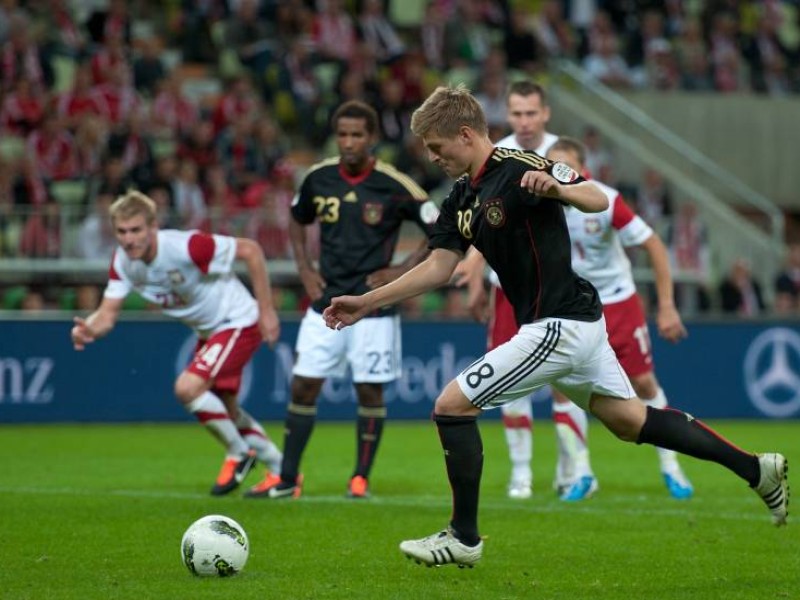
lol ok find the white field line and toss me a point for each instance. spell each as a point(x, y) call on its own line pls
point(693, 509)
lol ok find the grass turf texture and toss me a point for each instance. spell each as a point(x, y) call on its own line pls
point(98, 512)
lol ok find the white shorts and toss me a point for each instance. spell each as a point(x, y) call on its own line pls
point(572, 356)
point(371, 347)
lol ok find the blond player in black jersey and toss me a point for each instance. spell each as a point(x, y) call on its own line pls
point(360, 203)
point(507, 204)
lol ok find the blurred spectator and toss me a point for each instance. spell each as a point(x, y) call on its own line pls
point(553, 31)
point(173, 114)
point(190, 203)
point(521, 46)
point(81, 101)
point(269, 226)
point(87, 297)
point(661, 71)
point(52, 149)
point(766, 57)
point(118, 94)
point(110, 57)
point(22, 109)
point(64, 36)
point(693, 60)
point(199, 147)
point(653, 198)
point(787, 284)
point(687, 238)
point(333, 33)
point(739, 292)
point(492, 97)
point(238, 154)
point(270, 144)
point(222, 201)
point(113, 176)
point(293, 20)
point(148, 70)
point(114, 21)
point(725, 58)
point(20, 57)
point(598, 156)
point(91, 139)
point(33, 301)
point(96, 239)
point(467, 37)
point(432, 36)
point(393, 116)
point(606, 64)
point(378, 33)
point(250, 37)
point(41, 235)
point(238, 100)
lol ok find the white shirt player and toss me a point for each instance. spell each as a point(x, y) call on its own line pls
point(190, 279)
point(510, 142)
point(598, 242)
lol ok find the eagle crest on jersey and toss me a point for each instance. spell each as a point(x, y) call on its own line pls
point(591, 224)
point(372, 213)
point(495, 215)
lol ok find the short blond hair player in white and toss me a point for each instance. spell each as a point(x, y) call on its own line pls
point(189, 276)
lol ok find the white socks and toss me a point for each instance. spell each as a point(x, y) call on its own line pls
point(572, 434)
point(211, 412)
point(255, 436)
point(517, 419)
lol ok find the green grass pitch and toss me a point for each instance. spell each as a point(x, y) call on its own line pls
point(98, 511)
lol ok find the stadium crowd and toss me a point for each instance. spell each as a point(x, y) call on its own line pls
point(213, 107)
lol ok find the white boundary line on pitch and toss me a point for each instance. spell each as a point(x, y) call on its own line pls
point(436, 502)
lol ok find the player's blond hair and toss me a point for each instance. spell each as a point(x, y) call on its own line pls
point(131, 204)
point(446, 110)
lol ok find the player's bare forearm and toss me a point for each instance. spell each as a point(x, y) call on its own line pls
point(96, 325)
point(253, 256)
point(297, 238)
point(431, 273)
point(384, 276)
point(585, 196)
point(668, 320)
point(659, 262)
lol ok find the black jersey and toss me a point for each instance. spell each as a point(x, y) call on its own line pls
point(360, 218)
point(523, 237)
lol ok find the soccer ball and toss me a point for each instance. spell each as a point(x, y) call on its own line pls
point(215, 545)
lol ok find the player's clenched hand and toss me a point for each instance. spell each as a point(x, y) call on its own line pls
point(313, 283)
point(669, 324)
point(81, 333)
point(539, 183)
point(344, 311)
point(269, 326)
point(384, 276)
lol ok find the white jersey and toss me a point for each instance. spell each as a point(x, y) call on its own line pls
point(598, 241)
point(190, 279)
point(510, 142)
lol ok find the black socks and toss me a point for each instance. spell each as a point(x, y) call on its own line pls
point(463, 455)
point(369, 428)
point(297, 430)
point(679, 431)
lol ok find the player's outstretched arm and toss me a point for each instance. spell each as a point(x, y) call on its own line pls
point(431, 273)
point(585, 196)
point(268, 322)
point(98, 324)
point(384, 276)
point(668, 321)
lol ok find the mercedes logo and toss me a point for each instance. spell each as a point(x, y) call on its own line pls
point(772, 372)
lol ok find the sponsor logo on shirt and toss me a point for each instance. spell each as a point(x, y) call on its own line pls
point(176, 277)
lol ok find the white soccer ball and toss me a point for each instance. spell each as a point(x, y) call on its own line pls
point(215, 545)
